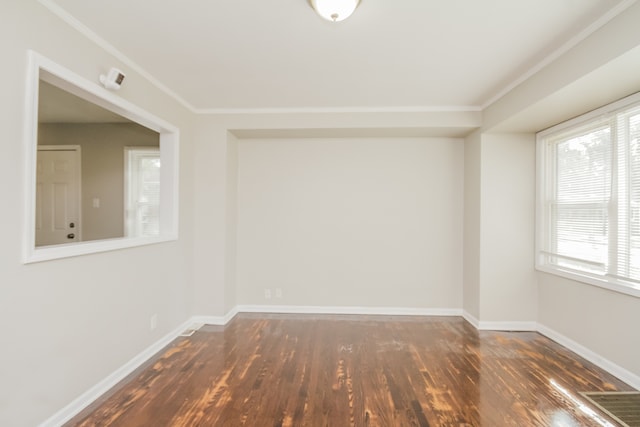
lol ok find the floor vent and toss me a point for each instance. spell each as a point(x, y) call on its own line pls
point(622, 406)
point(192, 329)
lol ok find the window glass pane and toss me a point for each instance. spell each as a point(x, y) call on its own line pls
point(580, 214)
point(149, 196)
point(584, 167)
point(143, 192)
point(582, 234)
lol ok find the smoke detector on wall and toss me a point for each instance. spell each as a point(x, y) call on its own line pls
point(113, 80)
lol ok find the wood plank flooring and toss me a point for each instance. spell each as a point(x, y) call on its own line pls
point(321, 370)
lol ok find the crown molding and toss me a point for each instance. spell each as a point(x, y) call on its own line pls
point(564, 48)
point(109, 48)
point(330, 110)
point(574, 41)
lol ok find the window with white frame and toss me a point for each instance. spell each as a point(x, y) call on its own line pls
point(142, 191)
point(588, 211)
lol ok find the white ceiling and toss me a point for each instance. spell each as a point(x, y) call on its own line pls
point(224, 55)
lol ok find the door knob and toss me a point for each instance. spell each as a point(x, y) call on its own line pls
point(72, 225)
point(70, 236)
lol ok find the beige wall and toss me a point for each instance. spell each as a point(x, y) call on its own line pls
point(215, 166)
point(602, 321)
point(508, 290)
point(102, 148)
point(230, 300)
point(350, 222)
point(212, 205)
point(68, 324)
point(472, 196)
point(499, 277)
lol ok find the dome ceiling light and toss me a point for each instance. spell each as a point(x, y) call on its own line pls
point(334, 10)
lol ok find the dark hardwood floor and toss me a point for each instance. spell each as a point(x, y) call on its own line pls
point(317, 370)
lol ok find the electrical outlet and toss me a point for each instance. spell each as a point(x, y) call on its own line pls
point(153, 322)
point(267, 293)
point(278, 292)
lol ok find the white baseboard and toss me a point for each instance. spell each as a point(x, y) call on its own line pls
point(386, 311)
point(471, 319)
point(89, 396)
point(196, 321)
point(616, 370)
point(484, 325)
point(507, 326)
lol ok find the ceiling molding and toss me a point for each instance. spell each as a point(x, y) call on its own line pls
point(91, 35)
point(573, 42)
point(329, 110)
point(87, 32)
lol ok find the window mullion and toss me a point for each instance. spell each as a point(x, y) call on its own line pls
point(552, 196)
point(623, 246)
point(614, 201)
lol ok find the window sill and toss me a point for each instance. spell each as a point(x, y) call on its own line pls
point(610, 284)
point(47, 253)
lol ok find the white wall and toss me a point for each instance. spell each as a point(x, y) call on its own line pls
point(508, 289)
point(69, 323)
point(472, 185)
point(603, 321)
point(212, 207)
point(500, 289)
point(230, 291)
point(351, 222)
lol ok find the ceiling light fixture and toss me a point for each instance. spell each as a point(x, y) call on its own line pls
point(334, 10)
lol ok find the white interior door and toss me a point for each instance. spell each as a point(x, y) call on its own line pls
point(58, 195)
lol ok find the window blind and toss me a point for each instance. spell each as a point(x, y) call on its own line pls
point(590, 196)
point(628, 188)
point(148, 204)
